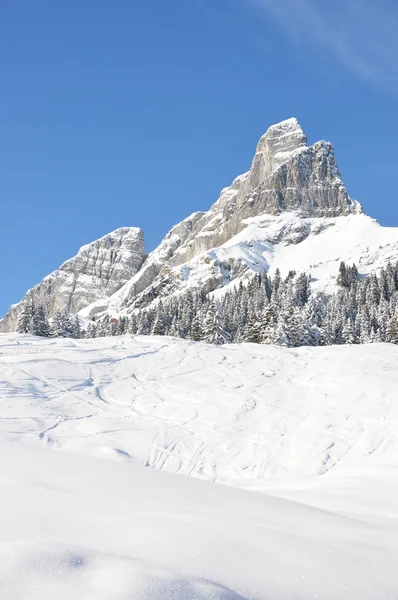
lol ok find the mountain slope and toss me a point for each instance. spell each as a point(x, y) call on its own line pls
point(286, 178)
point(232, 414)
point(290, 211)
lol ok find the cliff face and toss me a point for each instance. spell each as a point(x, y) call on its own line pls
point(290, 192)
point(97, 271)
point(285, 175)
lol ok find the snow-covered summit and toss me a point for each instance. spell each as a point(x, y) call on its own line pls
point(290, 206)
point(290, 192)
point(281, 142)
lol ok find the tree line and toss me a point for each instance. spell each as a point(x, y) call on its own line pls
point(268, 310)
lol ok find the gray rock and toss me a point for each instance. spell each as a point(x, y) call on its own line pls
point(113, 273)
point(97, 271)
point(285, 175)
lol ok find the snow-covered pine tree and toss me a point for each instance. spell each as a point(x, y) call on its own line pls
point(196, 332)
point(62, 325)
point(24, 322)
point(212, 329)
point(392, 329)
point(76, 329)
point(91, 331)
point(252, 331)
point(159, 325)
point(143, 323)
point(342, 278)
point(268, 322)
point(39, 324)
point(348, 333)
point(122, 325)
point(302, 289)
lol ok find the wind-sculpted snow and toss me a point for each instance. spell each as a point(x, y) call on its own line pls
point(85, 527)
point(232, 414)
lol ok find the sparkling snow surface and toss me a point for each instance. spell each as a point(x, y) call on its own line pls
point(313, 430)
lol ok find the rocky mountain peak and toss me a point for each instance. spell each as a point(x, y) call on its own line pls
point(288, 184)
point(97, 271)
point(280, 142)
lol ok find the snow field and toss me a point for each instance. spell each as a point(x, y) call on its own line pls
point(311, 432)
point(230, 414)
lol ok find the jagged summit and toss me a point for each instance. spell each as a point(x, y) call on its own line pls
point(281, 141)
point(290, 209)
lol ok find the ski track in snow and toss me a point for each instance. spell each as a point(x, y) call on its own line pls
point(226, 414)
point(312, 433)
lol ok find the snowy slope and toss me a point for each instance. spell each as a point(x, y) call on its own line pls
point(232, 414)
point(316, 246)
point(82, 528)
point(314, 429)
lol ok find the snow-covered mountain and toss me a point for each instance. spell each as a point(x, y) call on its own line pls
point(97, 271)
point(290, 211)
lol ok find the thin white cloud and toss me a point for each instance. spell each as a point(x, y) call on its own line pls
point(363, 34)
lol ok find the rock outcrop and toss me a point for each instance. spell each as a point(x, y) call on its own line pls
point(286, 177)
point(96, 272)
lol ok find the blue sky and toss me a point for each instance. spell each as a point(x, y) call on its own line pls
point(138, 113)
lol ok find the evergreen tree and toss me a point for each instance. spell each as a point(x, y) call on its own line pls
point(25, 318)
point(348, 333)
point(159, 325)
point(196, 333)
point(62, 325)
point(76, 329)
point(268, 322)
point(252, 331)
point(91, 331)
point(212, 329)
point(143, 323)
point(39, 323)
point(392, 330)
point(342, 278)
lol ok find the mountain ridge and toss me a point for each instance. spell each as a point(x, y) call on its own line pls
point(292, 193)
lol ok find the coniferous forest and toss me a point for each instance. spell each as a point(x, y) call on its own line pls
point(267, 310)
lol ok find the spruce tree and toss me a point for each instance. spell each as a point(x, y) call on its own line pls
point(62, 325)
point(392, 330)
point(212, 329)
point(196, 332)
point(40, 324)
point(25, 318)
point(342, 278)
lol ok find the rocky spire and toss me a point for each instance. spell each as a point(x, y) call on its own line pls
point(286, 175)
point(279, 143)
